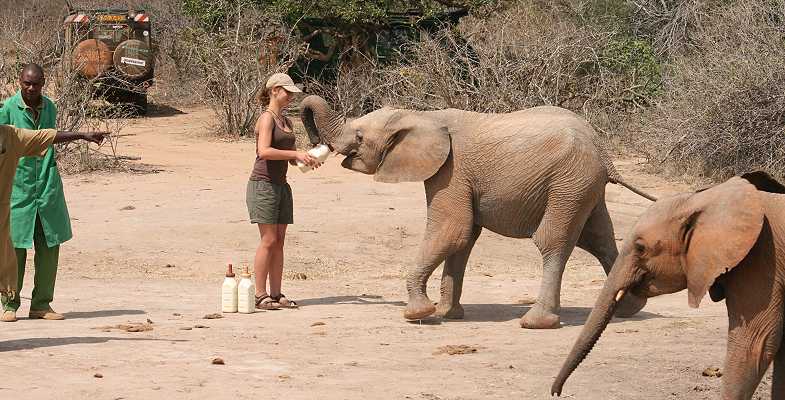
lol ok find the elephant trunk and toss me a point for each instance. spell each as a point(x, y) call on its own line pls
point(615, 288)
point(322, 124)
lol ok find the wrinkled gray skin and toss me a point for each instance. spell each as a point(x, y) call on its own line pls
point(727, 241)
point(537, 173)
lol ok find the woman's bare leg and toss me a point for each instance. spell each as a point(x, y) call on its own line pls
point(265, 257)
point(276, 269)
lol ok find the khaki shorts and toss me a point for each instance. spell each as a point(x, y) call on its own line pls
point(269, 203)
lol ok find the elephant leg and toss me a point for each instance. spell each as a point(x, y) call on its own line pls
point(748, 357)
point(598, 239)
point(555, 238)
point(778, 383)
point(449, 230)
point(452, 279)
point(755, 329)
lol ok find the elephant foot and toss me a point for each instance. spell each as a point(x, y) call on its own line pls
point(418, 308)
point(449, 311)
point(538, 318)
point(629, 305)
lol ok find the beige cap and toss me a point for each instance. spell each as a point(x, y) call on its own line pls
point(284, 81)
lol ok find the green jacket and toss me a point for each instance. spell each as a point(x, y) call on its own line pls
point(38, 189)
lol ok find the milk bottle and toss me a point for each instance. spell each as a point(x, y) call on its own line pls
point(229, 292)
point(319, 152)
point(246, 302)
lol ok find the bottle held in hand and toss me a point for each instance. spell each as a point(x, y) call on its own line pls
point(319, 152)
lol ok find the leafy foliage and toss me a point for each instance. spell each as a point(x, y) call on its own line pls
point(635, 59)
point(212, 12)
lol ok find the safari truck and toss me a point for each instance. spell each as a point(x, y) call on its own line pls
point(113, 49)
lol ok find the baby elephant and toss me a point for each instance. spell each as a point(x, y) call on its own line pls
point(729, 241)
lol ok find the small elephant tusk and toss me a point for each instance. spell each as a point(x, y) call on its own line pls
point(619, 295)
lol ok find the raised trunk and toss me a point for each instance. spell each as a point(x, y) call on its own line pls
point(321, 122)
point(615, 287)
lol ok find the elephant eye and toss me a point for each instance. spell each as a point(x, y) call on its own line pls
point(359, 136)
point(640, 248)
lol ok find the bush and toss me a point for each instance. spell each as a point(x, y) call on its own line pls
point(634, 61)
point(724, 111)
point(526, 56)
point(672, 25)
point(355, 91)
point(229, 65)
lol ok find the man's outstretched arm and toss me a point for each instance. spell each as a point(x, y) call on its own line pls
point(36, 142)
point(67, 136)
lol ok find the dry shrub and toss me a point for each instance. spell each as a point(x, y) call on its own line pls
point(526, 56)
point(80, 157)
point(672, 24)
point(174, 74)
point(356, 90)
point(28, 37)
point(231, 65)
point(724, 111)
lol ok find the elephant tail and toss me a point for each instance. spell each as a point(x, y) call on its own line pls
point(613, 174)
point(633, 189)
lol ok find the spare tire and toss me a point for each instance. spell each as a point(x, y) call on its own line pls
point(133, 59)
point(91, 58)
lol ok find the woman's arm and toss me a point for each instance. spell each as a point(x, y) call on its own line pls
point(264, 149)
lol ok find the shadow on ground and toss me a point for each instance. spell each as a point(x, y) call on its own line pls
point(162, 110)
point(37, 343)
point(362, 299)
point(570, 316)
point(101, 313)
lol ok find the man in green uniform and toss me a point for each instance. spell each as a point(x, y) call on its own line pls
point(39, 217)
point(16, 143)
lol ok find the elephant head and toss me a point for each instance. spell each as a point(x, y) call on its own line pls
point(686, 241)
point(392, 145)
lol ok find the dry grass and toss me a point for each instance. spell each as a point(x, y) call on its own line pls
point(724, 108)
point(525, 56)
point(229, 68)
point(672, 24)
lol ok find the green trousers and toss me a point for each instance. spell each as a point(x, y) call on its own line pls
point(45, 259)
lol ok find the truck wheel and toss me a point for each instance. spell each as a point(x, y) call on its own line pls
point(91, 58)
point(133, 59)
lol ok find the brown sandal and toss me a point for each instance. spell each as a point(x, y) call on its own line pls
point(266, 302)
point(284, 302)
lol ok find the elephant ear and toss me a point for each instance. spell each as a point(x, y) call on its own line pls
point(721, 226)
point(764, 182)
point(417, 148)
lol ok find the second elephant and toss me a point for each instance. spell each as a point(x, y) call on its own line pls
point(538, 173)
point(726, 241)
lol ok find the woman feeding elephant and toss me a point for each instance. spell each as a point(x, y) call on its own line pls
point(268, 195)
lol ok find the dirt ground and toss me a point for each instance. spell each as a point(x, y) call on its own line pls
point(154, 247)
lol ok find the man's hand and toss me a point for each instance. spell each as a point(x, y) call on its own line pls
point(95, 137)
